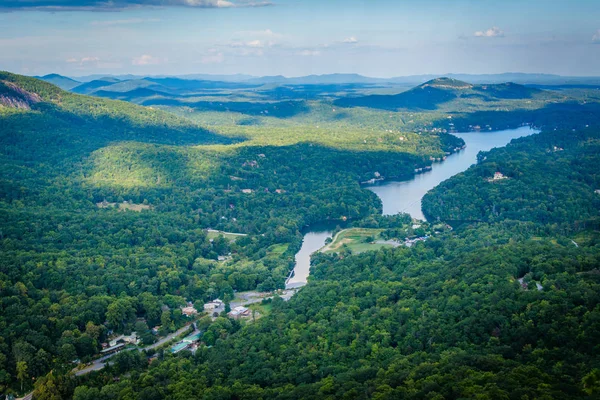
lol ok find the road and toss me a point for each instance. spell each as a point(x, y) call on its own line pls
point(100, 363)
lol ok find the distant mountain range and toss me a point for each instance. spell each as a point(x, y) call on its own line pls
point(94, 82)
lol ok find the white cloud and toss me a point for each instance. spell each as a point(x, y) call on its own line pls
point(351, 40)
point(492, 32)
point(308, 53)
point(255, 43)
point(596, 37)
point(146, 59)
point(89, 60)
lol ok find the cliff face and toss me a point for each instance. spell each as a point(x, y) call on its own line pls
point(13, 96)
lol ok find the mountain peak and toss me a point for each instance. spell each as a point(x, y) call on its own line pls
point(446, 83)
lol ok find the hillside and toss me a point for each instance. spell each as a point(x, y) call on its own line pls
point(445, 93)
point(109, 120)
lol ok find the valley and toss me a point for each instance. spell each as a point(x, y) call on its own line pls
point(118, 215)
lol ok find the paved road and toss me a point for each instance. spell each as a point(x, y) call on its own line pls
point(101, 362)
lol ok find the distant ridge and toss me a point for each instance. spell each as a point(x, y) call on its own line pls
point(89, 87)
point(339, 78)
point(62, 82)
point(433, 93)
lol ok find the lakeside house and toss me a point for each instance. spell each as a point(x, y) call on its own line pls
point(498, 176)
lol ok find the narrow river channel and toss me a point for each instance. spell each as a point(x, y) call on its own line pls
point(406, 196)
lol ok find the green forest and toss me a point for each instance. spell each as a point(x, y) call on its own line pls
point(106, 205)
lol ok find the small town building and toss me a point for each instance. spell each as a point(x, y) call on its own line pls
point(189, 311)
point(239, 312)
point(212, 305)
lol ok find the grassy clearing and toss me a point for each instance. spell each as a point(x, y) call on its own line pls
point(212, 234)
point(124, 206)
point(357, 240)
point(277, 249)
point(262, 309)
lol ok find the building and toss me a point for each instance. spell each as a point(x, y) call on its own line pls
point(189, 311)
point(131, 339)
point(239, 312)
point(247, 191)
point(113, 349)
point(498, 176)
point(212, 305)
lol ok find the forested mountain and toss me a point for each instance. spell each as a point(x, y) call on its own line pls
point(62, 82)
point(443, 92)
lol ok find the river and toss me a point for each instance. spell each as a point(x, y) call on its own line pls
point(406, 196)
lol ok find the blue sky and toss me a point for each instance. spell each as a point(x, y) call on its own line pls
point(299, 37)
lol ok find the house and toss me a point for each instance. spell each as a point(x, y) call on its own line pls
point(189, 311)
point(124, 339)
point(279, 191)
point(498, 176)
point(247, 191)
point(239, 312)
point(212, 305)
point(155, 330)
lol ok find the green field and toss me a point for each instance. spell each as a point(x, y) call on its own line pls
point(227, 235)
point(357, 240)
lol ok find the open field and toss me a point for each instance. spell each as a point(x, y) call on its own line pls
point(357, 240)
point(212, 234)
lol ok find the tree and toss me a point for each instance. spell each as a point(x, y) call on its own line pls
point(166, 321)
point(22, 372)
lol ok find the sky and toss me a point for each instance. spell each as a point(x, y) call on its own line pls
point(378, 38)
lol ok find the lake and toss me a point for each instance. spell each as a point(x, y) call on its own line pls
point(406, 196)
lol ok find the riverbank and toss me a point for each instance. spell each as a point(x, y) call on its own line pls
point(406, 196)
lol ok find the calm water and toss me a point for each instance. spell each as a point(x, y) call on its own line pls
point(405, 196)
point(312, 242)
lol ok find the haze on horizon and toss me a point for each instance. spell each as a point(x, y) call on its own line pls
point(377, 38)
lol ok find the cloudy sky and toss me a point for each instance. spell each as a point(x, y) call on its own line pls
point(299, 37)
